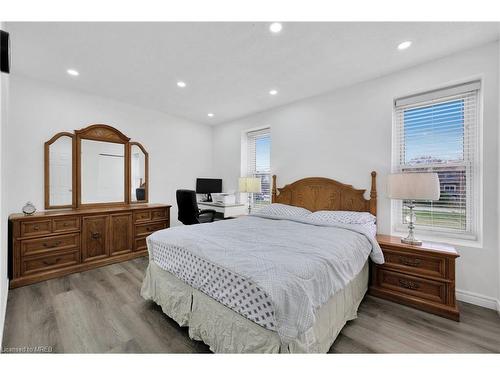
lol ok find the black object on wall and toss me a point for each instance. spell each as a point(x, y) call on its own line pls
point(4, 52)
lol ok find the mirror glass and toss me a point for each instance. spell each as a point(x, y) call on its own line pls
point(138, 174)
point(61, 172)
point(102, 172)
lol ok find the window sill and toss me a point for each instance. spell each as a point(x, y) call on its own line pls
point(443, 238)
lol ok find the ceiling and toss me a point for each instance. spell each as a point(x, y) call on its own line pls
point(229, 68)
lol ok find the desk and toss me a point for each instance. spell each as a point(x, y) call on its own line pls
point(226, 210)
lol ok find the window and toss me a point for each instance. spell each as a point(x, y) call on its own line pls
point(258, 163)
point(438, 132)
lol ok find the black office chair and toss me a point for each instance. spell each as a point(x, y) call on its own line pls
point(189, 213)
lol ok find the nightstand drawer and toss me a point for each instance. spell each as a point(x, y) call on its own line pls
point(422, 264)
point(406, 285)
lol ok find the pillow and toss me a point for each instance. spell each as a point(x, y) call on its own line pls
point(344, 217)
point(283, 210)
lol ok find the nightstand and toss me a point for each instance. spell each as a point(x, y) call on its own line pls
point(419, 276)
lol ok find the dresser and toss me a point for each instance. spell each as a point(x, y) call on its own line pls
point(419, 276)
point(50, 244)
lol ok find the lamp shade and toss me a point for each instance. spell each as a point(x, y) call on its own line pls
point(413, 186)
point(250, 185)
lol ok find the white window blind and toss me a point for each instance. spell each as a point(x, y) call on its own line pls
point(438, 132)
point(259, 163)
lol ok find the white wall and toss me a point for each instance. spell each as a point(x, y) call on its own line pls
point(346, 134)
point(179, 150)
point(498, 212)
point(4, 281)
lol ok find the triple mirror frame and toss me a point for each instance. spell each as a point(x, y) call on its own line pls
point(100, 133)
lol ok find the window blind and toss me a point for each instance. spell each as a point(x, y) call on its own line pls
point(259, 163)
point(438, 132)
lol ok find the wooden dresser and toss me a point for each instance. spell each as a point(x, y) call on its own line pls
point(54, 243)
point(419, 276)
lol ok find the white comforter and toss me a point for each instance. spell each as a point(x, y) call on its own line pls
point(298, 264)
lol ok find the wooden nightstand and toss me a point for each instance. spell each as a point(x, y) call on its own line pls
point(419, 276)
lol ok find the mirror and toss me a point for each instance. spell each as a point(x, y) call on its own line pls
point(96, 165)
point(59, 173)
point(138, 173)
point(102, 174)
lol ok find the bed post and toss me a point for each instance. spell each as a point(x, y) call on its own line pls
point(273, 199)
point(373, 194)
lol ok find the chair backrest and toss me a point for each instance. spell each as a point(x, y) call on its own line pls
point(187, 206)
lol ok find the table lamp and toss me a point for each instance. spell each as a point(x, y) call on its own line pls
point(413, 186)
point(250, 185)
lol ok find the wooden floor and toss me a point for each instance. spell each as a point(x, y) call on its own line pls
point(101, 311)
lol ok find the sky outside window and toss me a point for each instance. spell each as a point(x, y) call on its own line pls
point(434, 134)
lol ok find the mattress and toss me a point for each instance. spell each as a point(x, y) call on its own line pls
point(275, 273)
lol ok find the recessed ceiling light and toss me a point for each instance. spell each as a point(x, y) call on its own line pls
point(404, 45)
point(273, 92)
point(72, 72)
point(181, 84)
point(210, 115)
point(275, 27)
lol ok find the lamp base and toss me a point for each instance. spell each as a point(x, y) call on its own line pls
point(410, 241)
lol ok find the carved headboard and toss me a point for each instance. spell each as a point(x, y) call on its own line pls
point(319, 193)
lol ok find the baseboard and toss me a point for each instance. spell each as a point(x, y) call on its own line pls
point(478, 299)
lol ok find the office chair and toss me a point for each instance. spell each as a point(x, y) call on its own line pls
point(188, 211)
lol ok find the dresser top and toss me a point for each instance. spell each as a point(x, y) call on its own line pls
point(84, 211)
point(435, 247)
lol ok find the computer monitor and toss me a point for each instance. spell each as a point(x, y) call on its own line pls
point(208, 186)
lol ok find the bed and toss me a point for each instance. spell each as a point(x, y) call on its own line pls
point(283, 280)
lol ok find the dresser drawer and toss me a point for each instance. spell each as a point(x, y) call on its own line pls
point(36, 227)
point(159, 214)
point(146, 229)
point(140, 244)
point(430, 290)
point(51, 262)
point(425, 265)
point(49, 244)
point(141, 216)
point(66, 224)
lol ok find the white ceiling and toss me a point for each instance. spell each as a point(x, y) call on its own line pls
point(229, 68)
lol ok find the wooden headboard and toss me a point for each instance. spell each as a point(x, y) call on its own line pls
point(319, 193)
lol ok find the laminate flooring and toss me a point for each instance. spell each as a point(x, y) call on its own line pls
point(101, 311)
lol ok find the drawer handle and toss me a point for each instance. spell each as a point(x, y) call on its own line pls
point(54, 244)
point(95, 235)
point(66, 224)
point(408, 284)
point(36, 227)
point(51, 263)
point(412, 262)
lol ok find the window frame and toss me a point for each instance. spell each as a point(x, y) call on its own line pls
point(474, 197)
point(244, 171)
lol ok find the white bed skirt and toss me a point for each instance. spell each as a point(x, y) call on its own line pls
point(225, 331)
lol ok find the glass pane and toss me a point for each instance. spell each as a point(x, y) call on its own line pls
point(60, 172)
point(435, 133)
point(138, 174)
point(262, 169)
point(450, 210)
point(103, 172)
